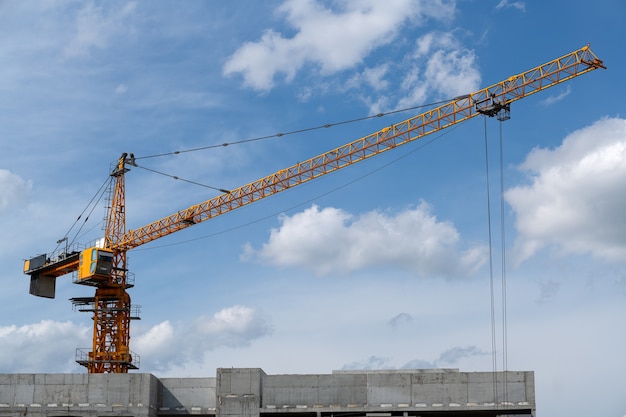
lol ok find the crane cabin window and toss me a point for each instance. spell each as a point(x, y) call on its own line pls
point(95, 264)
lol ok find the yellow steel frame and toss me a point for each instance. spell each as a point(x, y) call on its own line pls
point(112, 305)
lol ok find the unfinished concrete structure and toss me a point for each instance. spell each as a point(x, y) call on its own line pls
point(250, 392)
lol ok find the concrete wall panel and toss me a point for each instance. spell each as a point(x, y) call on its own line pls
point(283, 389)
point(343, 389)
point(25, 389)
point(189, 393)
point(481, 388)
point(391, 388)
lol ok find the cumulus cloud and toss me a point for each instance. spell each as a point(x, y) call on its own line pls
point(331, 240)
point(332, 40)
point(441, 67)
point(166, 346)
point(329, 40)
point(372, 77)
point(13, 188)
point(232, 327)
point(575, 201)
point(47, 346)
point(50, 346)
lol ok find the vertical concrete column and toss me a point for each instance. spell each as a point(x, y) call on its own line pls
point(239, 392)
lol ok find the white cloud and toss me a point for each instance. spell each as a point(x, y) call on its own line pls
point(330, 240)
point(234, 326)
point(13, 189)
point(452, 72)
point(556, 98)
point(434, 40)
point(331, 39)
point(166, 346)
point(95, 27)
point(440, 67)
point(576, 200)
point(47, 346)
point(519, 5)
point(417, 89)
point(156, 338)
point(162, 347)
point(372, 77)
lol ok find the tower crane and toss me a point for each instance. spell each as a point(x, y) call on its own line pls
point(104, 265)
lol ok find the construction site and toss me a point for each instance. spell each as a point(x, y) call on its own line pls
point(108, 389)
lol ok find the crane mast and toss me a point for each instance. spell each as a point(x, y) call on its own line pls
point(104, 266)
point(111, 304)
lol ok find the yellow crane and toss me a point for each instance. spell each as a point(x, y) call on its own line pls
point(104, 265)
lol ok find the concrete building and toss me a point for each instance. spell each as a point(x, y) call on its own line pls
point(250, 392)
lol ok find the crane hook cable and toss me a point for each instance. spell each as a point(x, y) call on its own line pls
point(505, 347)
point(505, 388)
point(293, 132)
point(494, 362)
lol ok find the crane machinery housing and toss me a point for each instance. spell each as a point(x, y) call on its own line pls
point(104, 266)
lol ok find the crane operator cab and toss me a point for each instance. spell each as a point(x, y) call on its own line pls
point(95, 264)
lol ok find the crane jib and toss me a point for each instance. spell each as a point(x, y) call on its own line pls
point(489, 101)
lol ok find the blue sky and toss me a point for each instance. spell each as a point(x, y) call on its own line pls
point(383, 265)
